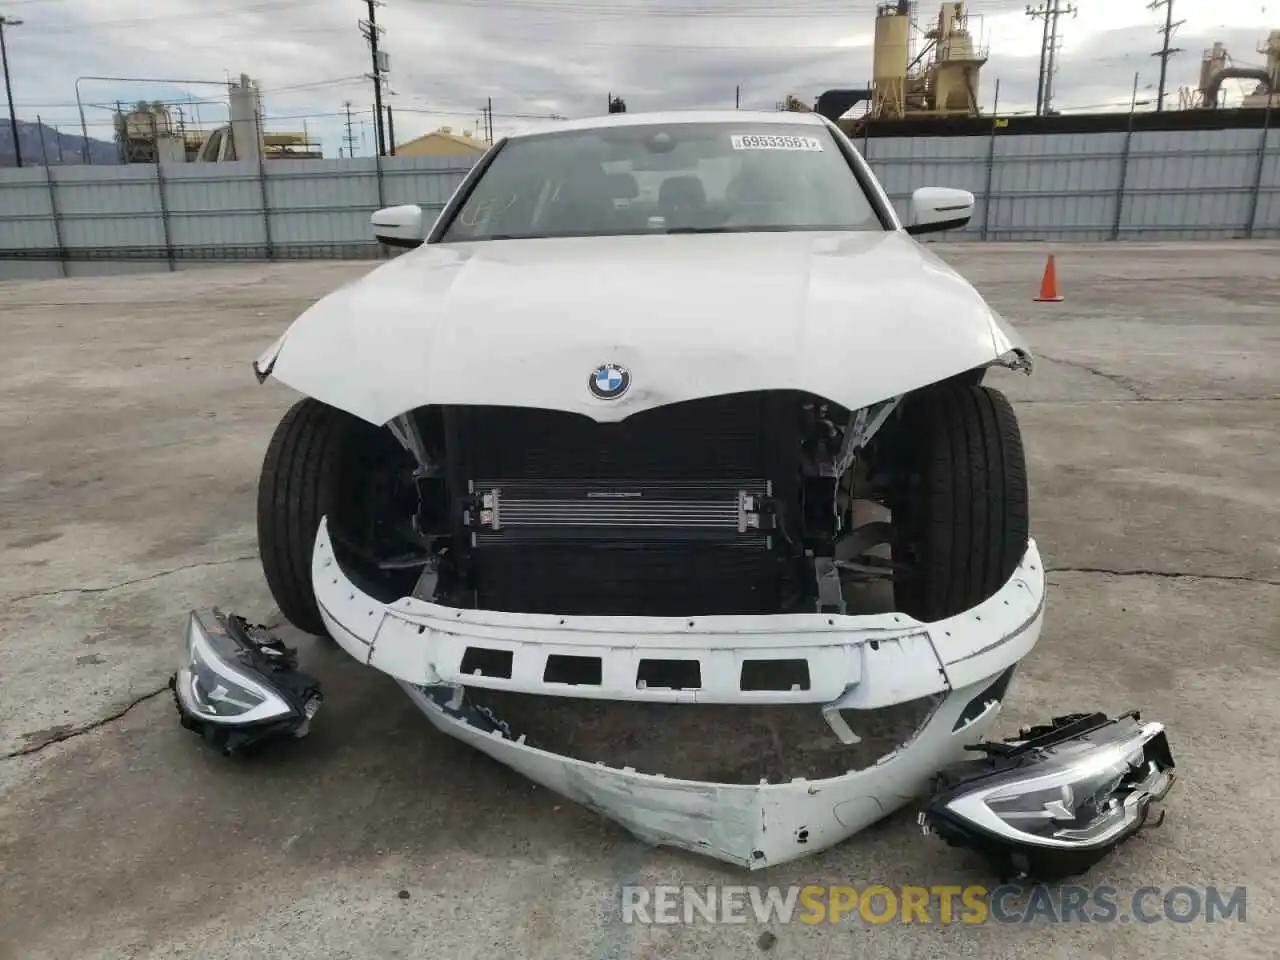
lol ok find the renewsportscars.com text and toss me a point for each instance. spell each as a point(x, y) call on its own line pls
point(939, 904)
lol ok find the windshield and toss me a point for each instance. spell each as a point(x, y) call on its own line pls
point(665, 178)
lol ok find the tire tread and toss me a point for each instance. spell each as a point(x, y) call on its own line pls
point(969, 518)
point(298, 486)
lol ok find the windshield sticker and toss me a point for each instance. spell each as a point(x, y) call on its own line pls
point(753, 141)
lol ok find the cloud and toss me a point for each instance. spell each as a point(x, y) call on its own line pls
point(535, 58)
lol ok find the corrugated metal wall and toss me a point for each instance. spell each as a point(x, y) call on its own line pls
point(1151, 185)
point(1148, 185)
point(183, 212)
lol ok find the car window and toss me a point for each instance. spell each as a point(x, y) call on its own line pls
point(663, 178)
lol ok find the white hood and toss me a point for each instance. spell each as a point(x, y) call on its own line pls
point(852, 317)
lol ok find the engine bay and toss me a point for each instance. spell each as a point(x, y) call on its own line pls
point(722, 505)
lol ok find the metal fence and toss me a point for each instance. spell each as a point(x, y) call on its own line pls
point(1148, 185)
point(187, 213)
point(1082, 186)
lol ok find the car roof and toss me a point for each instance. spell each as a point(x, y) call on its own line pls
point(724, 117)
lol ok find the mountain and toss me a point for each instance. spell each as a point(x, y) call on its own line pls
point(60, 147)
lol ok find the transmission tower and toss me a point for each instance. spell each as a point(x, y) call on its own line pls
point(1165, 51)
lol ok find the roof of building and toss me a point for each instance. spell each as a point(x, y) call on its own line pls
point(446, 133)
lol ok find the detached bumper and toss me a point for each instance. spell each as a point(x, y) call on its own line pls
point(750, 825)
point(851, 662)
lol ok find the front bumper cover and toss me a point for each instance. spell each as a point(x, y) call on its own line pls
point(854, 663)
point(749, 825)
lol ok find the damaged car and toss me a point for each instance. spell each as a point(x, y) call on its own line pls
point(667, 410)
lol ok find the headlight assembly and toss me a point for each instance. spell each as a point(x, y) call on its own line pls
point(1054, 800)
point(237, 684)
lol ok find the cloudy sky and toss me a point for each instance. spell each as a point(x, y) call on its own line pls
point(537, 58)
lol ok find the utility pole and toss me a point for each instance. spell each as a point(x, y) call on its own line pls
point(489, 115)
point(737, 97)
point(1054, 43)
point(8, 88)
point(350, 138)
point(1041, 12)
point(1049, 11)
point(1165, 51)
point(381, 65)
point(391, 131)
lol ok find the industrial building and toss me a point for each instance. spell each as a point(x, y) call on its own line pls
point(941, 79)
point(926, 82)
point(148, 133)
point(1217, 67)
point(933, 72)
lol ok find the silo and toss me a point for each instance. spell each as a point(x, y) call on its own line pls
point(891, 55)
point(246, 119)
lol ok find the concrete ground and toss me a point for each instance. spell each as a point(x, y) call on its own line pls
point(131, 435)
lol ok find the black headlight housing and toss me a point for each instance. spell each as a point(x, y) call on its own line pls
point(1054, 800)
point(239, 685)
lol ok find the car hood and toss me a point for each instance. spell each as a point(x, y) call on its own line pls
point(852, 317)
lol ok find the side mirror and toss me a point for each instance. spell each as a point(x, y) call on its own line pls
point(939, 208)
point(399, 226)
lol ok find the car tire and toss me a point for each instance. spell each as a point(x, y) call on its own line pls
point(962, 523)
point(299, 484)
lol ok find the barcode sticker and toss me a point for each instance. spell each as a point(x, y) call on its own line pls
point(759, 141)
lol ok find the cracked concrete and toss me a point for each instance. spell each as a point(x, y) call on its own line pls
point(131, 432)
point(63, 733)
point(1122, 382)
point(129, 583)
point(1162, 574)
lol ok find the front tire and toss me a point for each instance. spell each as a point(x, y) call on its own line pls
point(961, 520)
point(299, 484)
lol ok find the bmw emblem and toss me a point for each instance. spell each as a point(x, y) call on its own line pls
point(609, 381)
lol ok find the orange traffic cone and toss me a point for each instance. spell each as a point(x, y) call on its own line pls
point(1049, 285)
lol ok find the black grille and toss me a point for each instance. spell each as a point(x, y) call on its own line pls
point(683, 510)
point(711, 439)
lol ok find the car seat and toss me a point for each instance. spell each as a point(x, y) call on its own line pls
point(682, 201)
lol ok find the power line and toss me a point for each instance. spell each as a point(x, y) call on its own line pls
point(314, 84)
point(471, 113)
point(1165, 51)
point(313, 116)
point(124, 22)
point(706, 11)
point(310, 85)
